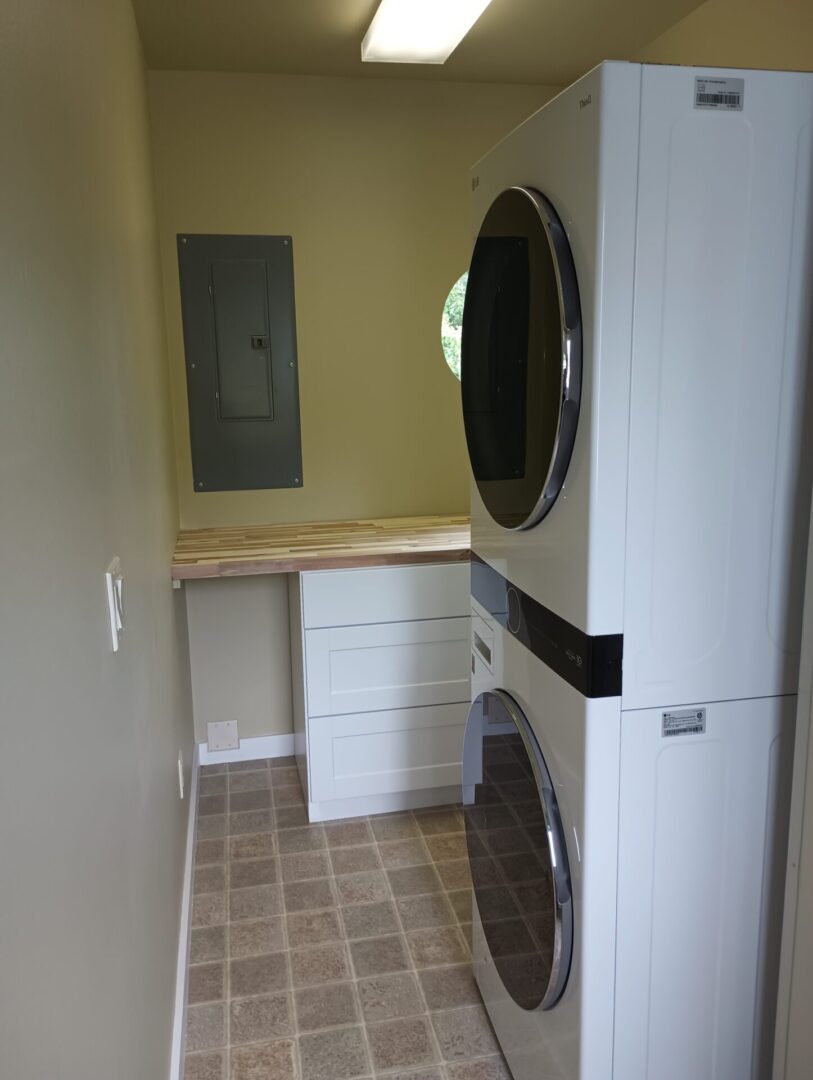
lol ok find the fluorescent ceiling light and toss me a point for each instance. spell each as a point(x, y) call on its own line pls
point(419, 31)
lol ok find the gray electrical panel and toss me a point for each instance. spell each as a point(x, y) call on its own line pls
point(239, 328)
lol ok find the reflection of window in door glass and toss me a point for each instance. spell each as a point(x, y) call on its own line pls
point(451, 326)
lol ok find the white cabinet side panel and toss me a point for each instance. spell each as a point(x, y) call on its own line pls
point(718, 481)
point(702, 823)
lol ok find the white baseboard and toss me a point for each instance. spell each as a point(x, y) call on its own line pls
point(264, 746)
point(361, 805)
point(184, 929)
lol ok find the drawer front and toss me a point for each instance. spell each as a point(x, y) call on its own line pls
point(387, 666)
point(384, 752)
point(385, 594)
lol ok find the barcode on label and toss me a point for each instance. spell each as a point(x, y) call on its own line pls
point(684, 722)
point(718, 93)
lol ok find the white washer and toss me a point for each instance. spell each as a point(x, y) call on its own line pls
point(636, 395)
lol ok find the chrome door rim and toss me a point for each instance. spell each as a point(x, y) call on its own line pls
point(560, 874)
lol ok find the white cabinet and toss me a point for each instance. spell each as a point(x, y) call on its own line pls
point(381, 686)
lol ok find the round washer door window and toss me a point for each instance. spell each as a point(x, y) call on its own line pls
point(517, 853)
point(521, 358)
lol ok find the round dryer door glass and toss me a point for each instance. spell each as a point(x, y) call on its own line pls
point(521, 358)
point(517, 853)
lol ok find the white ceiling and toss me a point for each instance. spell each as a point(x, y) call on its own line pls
point(550, 42)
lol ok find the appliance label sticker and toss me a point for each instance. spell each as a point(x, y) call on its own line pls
point(712, 93)
point(684, 722)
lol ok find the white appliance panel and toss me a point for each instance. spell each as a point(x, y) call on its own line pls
point(590, 180)
point(701, 834)
point(717, 503)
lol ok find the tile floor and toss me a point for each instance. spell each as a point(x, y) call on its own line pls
point(329, 952)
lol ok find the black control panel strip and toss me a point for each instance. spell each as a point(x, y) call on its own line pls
point(592, 665)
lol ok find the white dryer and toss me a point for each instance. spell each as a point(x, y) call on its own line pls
point(636, 398)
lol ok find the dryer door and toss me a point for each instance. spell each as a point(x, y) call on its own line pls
point(521, 359)
point(517, 853)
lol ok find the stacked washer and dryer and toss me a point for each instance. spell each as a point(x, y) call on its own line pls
point(635, 388)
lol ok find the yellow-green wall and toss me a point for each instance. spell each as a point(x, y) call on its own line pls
point(92, 829)
point(371, 179)
point(740, 33)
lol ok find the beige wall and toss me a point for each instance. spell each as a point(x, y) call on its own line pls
point(740, 33)
point(91, 825)
point(370, 178)
point(240, 654)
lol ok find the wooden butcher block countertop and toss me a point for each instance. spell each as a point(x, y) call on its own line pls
point(236, 550)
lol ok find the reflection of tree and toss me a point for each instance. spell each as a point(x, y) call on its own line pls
point(451, 328)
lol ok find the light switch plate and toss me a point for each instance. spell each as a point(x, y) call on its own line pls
point(223, 735)
point(114, 580)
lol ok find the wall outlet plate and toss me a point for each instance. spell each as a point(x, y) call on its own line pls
point(223, 735)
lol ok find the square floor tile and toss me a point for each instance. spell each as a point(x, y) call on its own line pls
point(211, 828)
point(209, 879)
point(291, 817)
point(442, 945)
point(249, 781)
point(350, 860)
point(366, 887)
point(205, 1027)
point(252, 846)
point(326, 1006)
point(385, 997)
point(309, 838)
point(305, 865)
point(313, 927)
point(249, 800)
point(451, 846)
point(433, 822)
point(245, 873)
point(370, 920)
point(255, 903)
point(319, 964)
point(254, 937)
point(401, 1043)
point(207, 943)
point(394, 826)
point(395, 853)
point(411, 880)
point(257, 1019)
point(250, 821)
point(424, 911)
point(210, 851)
point(214, 785)
point(211, 804)
point(348, 833)
point(259, 974)
point(464, 1033)
point(247, 766)
point(308, 895)
point(449, 987)
point(206, 982)
point(209, 1066)
point(209, 909)
point(456, 874)
point(338, 1054)
point(264, 1060)
point(375, 956)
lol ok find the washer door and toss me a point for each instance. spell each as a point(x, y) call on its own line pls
point(521, 358)
point(517, 853)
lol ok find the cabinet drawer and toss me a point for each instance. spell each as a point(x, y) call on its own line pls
point(385, 594)
point(384, 752)
point(387, 666)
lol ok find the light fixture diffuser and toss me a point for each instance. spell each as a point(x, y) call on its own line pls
point(419, 31)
